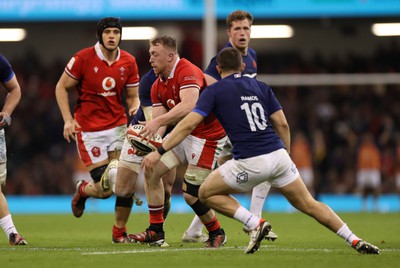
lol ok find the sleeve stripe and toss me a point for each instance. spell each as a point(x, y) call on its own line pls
point(133, 85)
point(190, 85)
point(70, 74)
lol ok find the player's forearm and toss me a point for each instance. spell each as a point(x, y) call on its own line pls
point(175, 115)
point(13, 96)
point(181, 131)
point(12, 101)
point(62, 100)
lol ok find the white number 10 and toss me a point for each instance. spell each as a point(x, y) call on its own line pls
point(255, 116)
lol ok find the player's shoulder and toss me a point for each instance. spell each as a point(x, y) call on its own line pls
point(86, 52)
point(184, 66)
point(126, 55)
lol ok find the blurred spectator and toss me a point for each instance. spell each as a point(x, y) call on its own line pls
point(369, 170)
point(302, 156)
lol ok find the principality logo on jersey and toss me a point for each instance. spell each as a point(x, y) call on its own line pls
point(242, 177)
point(108, 84)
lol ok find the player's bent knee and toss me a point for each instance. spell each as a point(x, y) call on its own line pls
point(3, 174)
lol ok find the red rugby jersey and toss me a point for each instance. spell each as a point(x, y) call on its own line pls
point(99, 105)
point(185, 75)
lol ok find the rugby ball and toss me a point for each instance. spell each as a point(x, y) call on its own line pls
point(136, 140)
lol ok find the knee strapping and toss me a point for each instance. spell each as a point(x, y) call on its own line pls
point(96, 173)
point(126, 202)
point(191, 189)
point(199, 208)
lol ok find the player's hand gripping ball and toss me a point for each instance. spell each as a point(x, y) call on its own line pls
point(143, 145)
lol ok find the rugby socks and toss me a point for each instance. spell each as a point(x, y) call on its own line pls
point(117, 232)
point(345, 233)
point(195, 228)
point(7, 225)
point(156, 218)
point(258, 197)
point(250, 220)
point(213, 225)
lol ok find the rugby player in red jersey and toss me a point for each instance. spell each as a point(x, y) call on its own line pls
point(174, 95)
point(100, 74)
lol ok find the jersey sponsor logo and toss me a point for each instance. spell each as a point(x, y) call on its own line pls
point(249, 98)
point(242, 177)
point(71, 63)
point(108, 84)
point(170, 103)
point(96, 69)
point(96, 151)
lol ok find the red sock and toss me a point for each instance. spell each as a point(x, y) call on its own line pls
point(156, 214)
point(118, 231)
point(212, 225)
point(82, 189)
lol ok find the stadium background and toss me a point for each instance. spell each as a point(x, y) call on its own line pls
point(330, 37)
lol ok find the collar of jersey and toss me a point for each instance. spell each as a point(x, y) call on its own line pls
point(100, 54)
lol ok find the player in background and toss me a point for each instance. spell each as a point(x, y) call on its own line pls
point(301, 155)
point(368, 177)
point(260, 135)
point(173, 95)
point(100, 74)
point(238, 29)
point(9, 80)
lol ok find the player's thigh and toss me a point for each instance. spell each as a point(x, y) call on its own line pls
point(298, 195)
point(215, 185)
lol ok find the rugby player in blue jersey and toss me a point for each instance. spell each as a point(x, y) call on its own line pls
point(256, 125)
point(9, 80)
point(238, 29)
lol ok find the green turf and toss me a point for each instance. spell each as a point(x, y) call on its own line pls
point(63, 241)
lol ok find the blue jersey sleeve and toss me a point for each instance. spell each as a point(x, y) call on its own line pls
point(212, 69)
point(205, 103)
point(6, 72)
point(145, 88)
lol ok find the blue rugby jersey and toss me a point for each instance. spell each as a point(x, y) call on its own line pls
point(6, 72)
point(243, 106)
point(250, 61)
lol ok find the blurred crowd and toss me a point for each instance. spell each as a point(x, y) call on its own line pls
point(332, 119)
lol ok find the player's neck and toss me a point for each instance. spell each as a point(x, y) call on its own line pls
point(109, 55)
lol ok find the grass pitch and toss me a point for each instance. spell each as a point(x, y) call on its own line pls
point(63, 241)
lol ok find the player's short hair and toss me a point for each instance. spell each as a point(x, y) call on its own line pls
point(108, 22)
point(166, 41)
point(239, 15)
point(229, 59)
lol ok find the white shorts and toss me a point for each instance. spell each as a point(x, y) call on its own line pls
point(3, 149)
point(199, 152)
point(244, 174)
point(93, 147)
point(368, 178)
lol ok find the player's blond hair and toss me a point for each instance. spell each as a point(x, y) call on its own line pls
point(165, 41)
